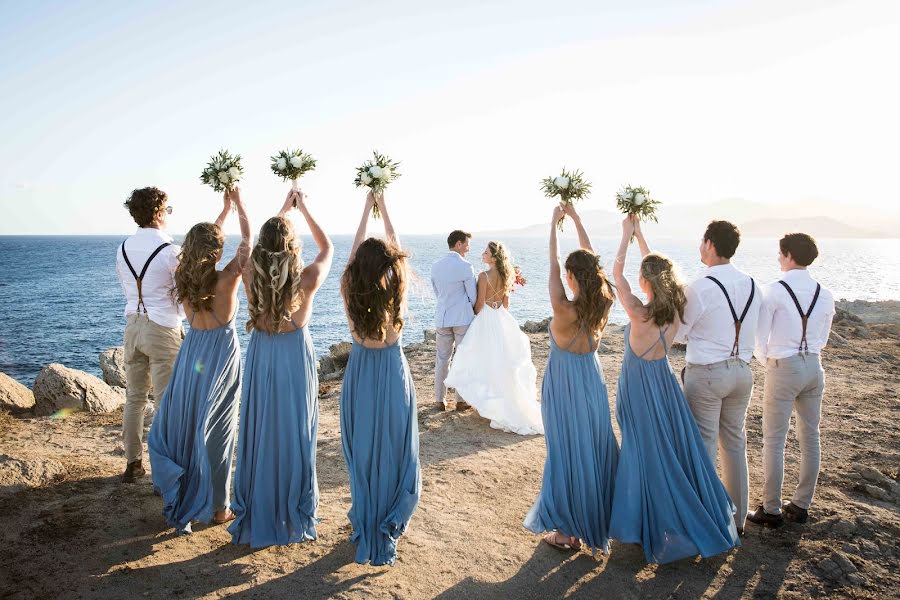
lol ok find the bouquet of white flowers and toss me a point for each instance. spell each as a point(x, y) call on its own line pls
point(376, 174)
point(636, 201)
point(292, 164)
point(223, 171)
point(570, 186)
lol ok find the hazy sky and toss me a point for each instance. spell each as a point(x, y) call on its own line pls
point(768, 100)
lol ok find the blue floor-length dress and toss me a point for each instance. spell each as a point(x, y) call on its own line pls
point(191, 441)
point(380, 437)
point(582, 452)
point(276, 493)
point(668, 496)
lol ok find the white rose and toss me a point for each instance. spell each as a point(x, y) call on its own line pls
point(223, 176)
point(296, 162)
point(234, 173)
point(639, 199)
point(375, 171)
point(385, 174)
point(365, 179)
point(561, 182)
point(281, 164)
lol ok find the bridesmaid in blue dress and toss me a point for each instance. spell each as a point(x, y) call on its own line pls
point(575, 501)
point(668, 497)
point(191, 442)
point(379, 431)
point(276, 493)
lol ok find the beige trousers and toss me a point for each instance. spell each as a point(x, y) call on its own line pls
point(719, 395)
point(150, 351)
point(793, 383)
point(447, 339)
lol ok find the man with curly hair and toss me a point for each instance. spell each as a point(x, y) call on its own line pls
point(145, 264)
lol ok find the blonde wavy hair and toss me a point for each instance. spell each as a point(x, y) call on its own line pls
point(196, 275)
point(595, 293)
point(503, 262)
point(374, 285)
point(668, 298)
point(275, 293)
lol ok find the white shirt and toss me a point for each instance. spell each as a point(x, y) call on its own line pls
point(780, 325)
point(708, 327)
point(158, 281)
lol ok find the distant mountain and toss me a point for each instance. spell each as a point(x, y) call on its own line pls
point(689, 220)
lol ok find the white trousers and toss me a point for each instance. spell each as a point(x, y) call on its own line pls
point(447, 339)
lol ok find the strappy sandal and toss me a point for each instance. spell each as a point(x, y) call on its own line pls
point(229, 516)
point(553, 537)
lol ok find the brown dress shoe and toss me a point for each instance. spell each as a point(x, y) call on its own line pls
point(462, 405)
point(441, 405)
point(133, 471)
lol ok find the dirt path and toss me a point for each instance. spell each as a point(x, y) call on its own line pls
point(88, 536)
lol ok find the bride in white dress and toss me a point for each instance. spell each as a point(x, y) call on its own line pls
point(492, 367)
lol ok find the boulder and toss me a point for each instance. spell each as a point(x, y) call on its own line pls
point(112, 363)
point(17, 474)
point(429, 336)
point(340, 354)
point(537, 326)
point(58, 387)
point(14, 395)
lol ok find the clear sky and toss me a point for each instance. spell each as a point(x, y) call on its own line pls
point(768, 100)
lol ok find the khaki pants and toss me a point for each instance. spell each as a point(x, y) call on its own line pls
point(719, 395)
point(793, 383)
point(446, 340)
point(150, 351)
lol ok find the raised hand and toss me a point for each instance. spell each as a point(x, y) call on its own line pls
point(288, 203)
point(569, 210)
point(559, 212)
point(299, 199)
point(628, 226)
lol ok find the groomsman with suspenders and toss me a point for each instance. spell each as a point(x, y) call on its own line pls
point(793, 328)
point(145, 265)
point(719, 328)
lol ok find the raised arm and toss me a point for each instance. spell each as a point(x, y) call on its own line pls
point(639, 235)
point(389, 232)
point(242, 256)
point(584, 242)
point(631, 303)
point(361, 230)
point(314, 273)
point(220, 220)
point(557, 291)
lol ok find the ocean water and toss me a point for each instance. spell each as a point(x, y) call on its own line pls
point(60, 300)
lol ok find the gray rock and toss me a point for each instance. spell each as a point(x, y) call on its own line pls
point(13, 394)
point(17, 474)
point(843, 563)
point(843, 528)
point(340, 354)
point(880, 479)
point(332, 376)
point(876, 492)
point(857, 580)
point(430, 335)
point(112, 363)
point(830, 569)
point(326, 366)
point(537, 326)
point(869, 548)
point(57, 387)
point(837, 340)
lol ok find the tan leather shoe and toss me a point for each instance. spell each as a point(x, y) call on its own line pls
point(462, 405)
point(133, 471)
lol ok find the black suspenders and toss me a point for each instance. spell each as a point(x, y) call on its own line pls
point(139, 278)
point(736, 350)
point(804, 317)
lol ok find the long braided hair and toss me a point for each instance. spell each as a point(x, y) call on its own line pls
point(374, 285)
point(196, 276)
point(275, 293)
point(503, 262)
point(668, 298)
point(595, 293)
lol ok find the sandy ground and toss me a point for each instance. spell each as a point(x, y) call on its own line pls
point(85, 535)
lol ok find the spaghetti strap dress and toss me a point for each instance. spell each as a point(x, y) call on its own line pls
point(380, 438)
point(582, 452)
point(668, 497)
point(191, 441)
point(276, 493)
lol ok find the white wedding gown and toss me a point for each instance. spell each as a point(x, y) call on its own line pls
point(492, 371)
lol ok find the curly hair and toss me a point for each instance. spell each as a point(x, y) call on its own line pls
point(144, 204)
point(275, 293)
point(595, 296)
point(503, 262)
point(374, 284)
point(196, 276)
point(667, 292)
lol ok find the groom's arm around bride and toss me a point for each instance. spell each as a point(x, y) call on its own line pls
point(453, 280)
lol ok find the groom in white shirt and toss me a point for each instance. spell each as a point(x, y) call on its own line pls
point(793, 328)
point(719, 327)
point(453, 280)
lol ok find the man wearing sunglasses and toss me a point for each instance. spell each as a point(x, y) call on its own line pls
point(145, 264)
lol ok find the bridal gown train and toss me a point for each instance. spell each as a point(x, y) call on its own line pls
point(492, 371)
